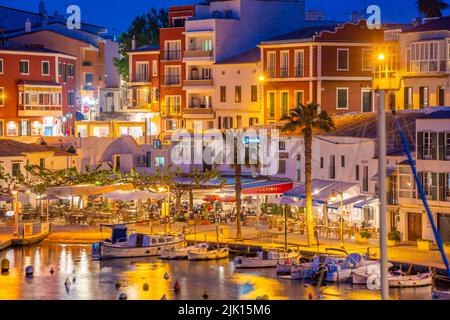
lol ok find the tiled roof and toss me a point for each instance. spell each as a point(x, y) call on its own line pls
point(146, 48)
point(436, 24)
point(10, 148)
point(304, 33)
point(248, 56)
point(440, 114)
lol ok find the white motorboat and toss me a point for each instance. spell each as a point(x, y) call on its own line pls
point(182, 253)
point(214, 254)
point(401, 280)
point(367, 274)
point(136, 245)
point(342, 272)
point(440, 295)
point(264, 259)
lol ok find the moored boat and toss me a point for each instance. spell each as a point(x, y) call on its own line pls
point(182, 253)
point(265, 259)
point(135, 245)
point(214, 254)
point(401, 280)
point(342, 272)
point(440, 295)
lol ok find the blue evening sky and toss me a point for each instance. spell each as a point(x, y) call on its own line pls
point(117, 14)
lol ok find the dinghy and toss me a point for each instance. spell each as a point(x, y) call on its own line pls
point(136, 245)
point(264, 259)
point(214, 254)
point(182, 253)
point(367, 274)
point(398, 279)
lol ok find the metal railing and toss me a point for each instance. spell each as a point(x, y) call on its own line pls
point(172, 54)
point(172, 80)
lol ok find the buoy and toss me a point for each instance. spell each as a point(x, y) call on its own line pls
point(177, 286)
point(265, 297)
point(29, 270)
point(166, 276)
point(163, 297)
point(123, 296)
point(205, 295)
point(258, 298)
point(310, 296)
point(52, 271)
point(117, 284)
point(5, 265)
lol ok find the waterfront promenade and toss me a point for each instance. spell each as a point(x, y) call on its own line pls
point(405, 252)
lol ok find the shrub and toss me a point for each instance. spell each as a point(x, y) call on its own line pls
point(394, 235)
point(365, 234)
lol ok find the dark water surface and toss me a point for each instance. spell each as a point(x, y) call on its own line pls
point(95, 280)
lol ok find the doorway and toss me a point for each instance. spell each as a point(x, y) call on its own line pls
point(367, 100)
point(414, 226)
point(444, 226)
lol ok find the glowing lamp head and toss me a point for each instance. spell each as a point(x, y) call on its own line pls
point(381, 57)
point(262, 78)
point(333, 197)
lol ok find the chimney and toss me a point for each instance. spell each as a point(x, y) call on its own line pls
point(28, 25)
point(133, 43)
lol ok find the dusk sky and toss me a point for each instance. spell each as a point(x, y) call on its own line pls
point(117, 14)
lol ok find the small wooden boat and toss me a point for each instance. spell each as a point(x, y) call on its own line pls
point(440, 295)
point(214, 254)
point(367, 274)
point(299, 271)
point(136, 245)
point(398, 279)
point(264, 259)
point(182, 253)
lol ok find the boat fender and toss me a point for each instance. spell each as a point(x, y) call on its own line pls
point(258, 298)
point(5, 265)
point(29, 270)
point(177, 286)
point(145, 287)
point(52, 271)
point(205, 295)
point(117, 284)
point(123, 296)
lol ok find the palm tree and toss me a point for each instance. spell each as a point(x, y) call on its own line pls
point(306, 118)
point(431, 8)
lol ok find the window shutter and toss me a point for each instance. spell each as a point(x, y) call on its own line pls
point(421, 182)
point(441, 145)
point(219, 122)
point(434, 145)
point(441, 186)
point(28, 128)
point(20, 128)
point(434, 186)
point(420, 145)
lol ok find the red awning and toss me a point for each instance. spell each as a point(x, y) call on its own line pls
point(267, 187)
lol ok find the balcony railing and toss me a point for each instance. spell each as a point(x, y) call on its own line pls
point(271, 72)
point(168, 111)
point(198, 82)
point(298, 72)
point(172, 80)
point(198, 54)
point(39, 110)
point(171, 55)
point(284, 72)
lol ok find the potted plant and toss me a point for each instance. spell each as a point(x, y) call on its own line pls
point(393, 238)
point(424, 244)
point(363, 237)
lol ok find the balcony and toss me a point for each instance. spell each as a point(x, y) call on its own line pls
point(198, 55)
point(194, 83)
point(284, 72)
point(198, 113)
point(171, 55)
point(271, 73)
point(172, 80)
point(40, 110)
point(170, 111)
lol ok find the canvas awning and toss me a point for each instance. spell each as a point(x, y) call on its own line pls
point(321, 189)
point(134, 195)
point(348, 201)
point(365, 203)
point(389, 172)
point(86, 190)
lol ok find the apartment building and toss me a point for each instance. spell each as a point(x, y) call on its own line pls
point(330, 65)
point(36, 98)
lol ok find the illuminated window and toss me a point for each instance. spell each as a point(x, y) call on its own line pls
point(45, 68)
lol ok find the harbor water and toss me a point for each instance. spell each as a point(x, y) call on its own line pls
point(68, 272)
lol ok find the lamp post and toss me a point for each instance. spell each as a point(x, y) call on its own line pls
point(261, 80)
point(333, 198)
point(380, 94)
point(16, 213)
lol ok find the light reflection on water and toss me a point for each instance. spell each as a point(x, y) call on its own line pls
point(77, 276)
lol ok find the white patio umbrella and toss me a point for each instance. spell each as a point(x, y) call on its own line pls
point(283, 201)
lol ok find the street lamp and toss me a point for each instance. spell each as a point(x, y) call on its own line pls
point(15, 209)
point(261, 80)
point(334, 198)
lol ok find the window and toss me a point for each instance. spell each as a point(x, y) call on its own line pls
point(64, 74)
point(59, 68)
point(88, 78)
point(155, 68)
point(142, 71)
point(298, 96)
point(159, 161)
point(445, 186)
point(70, 70)
point(45, 68)
point(24, 128)
point(2, 97)
point(254, 93)
point(343, 161)
point(42, 163)
point(223, 94)
point(342, 59)
point(445, 146)
point(252, 121)
point(284, 64)
point(1, 66)
point(237, 94)
point(284, 103)
point(173, 75)
point(173, 104)
point(321, 162)
point(271, 62)
point(71, 98)
point(367, 59)
point(239, 121)
point(228, 122)
point(178, 22)
point(332, 173)
point(342, 98)
point(298, 167)
point(365, 185)
point(366, 100)
point(12, 129)
point(282, 145)
point(406, 187)
point(441, 96)
point(429, 184)
point(271, 104)
point(1, 128)
point(171, 124)
point(281, 166)
point(427, 57)
point(299, 63)
point(357, 172)
point(23, 67)
point(172, 50)
point(427, 145)
point(15, 169)
point(423, 97)
point(407, 98)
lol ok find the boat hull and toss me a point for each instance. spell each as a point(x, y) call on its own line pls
point(299, 271)
point(209, 255)
point(419, 280)
point(108, 251)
